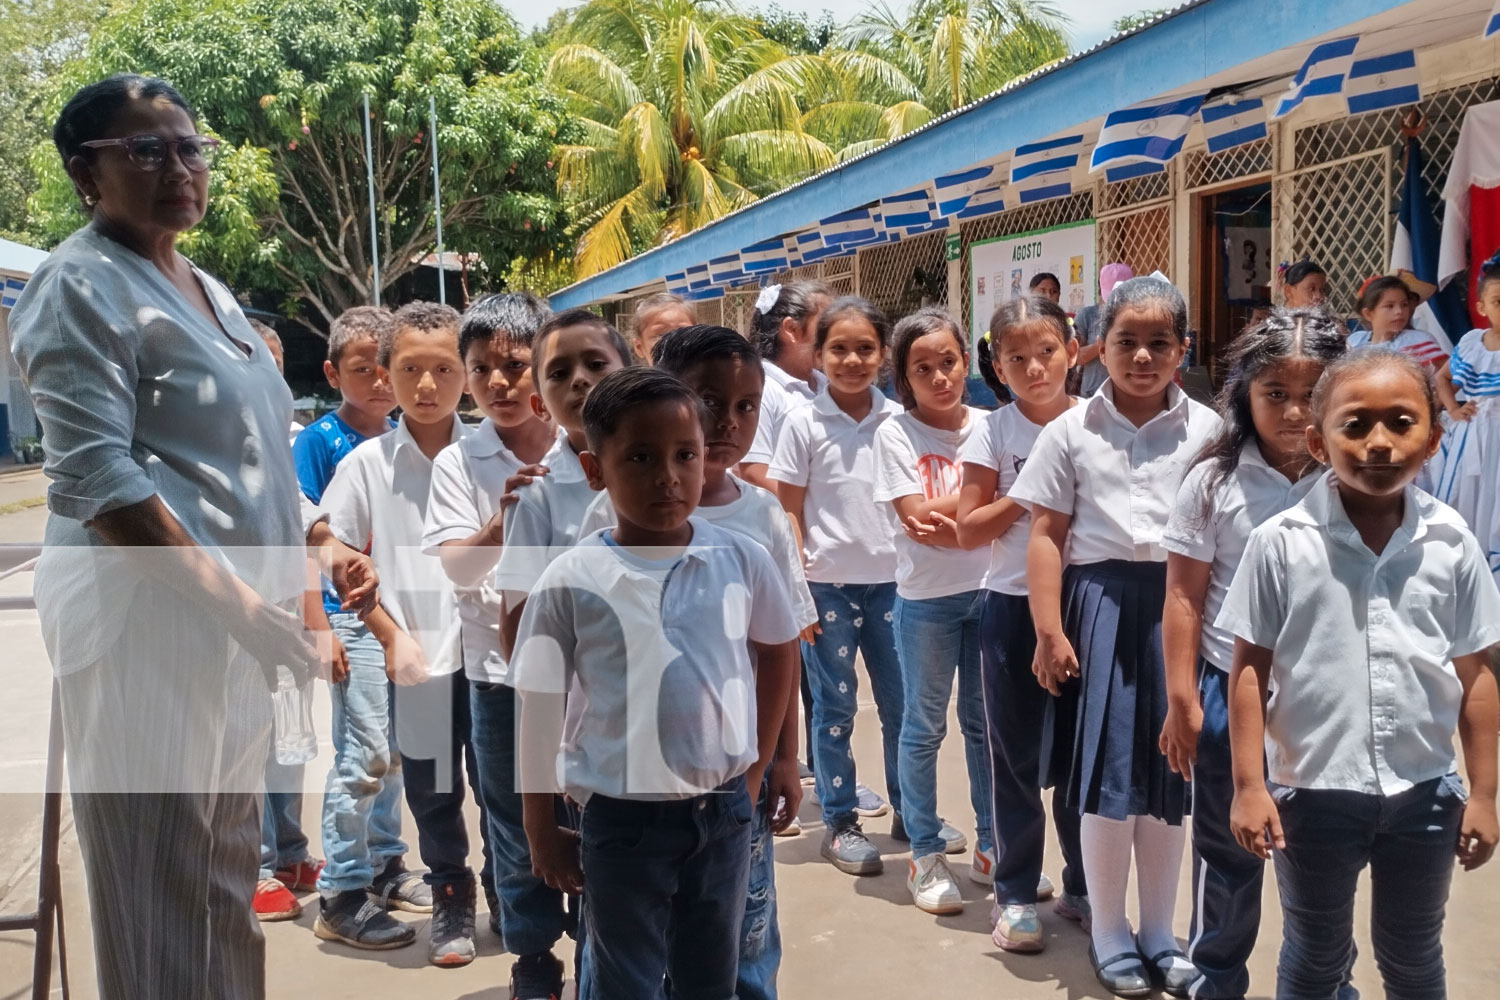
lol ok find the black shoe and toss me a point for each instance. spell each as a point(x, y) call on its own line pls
point(898, 831)
point(1124, 974)
point(398, 889)
point(1172, 980)
point(360, 922)
point(537, 977)
point(452, 934)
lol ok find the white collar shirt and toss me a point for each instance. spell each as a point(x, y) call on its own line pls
point(1362, 645)
point(782, 394)
point(468, 479)
point(1117, 481)
point(847, 536)
point(653, 658)
point(1001, 441)
point(377, 501)
point(543, 522)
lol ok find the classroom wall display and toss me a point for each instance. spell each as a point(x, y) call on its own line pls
point(1002, 268)
point(1247, 251)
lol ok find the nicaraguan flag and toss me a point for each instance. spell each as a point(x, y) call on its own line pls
point(1041, 170)
point(909, 210)
point(706, 292)
point(858, 225)
point(989, 201)
point(1230, 123)
point(811, 248)
point(954, 190)
point(1492, 26)
point(1383, 82)
point(677, 283)
point(697, 277)
point(1414, 249)
point(10, 291)
point(1113, 174)
point(1146, 133)
point(1321, 74)
point(723, 270)
point(767, 255)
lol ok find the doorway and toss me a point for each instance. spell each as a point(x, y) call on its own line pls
point(1234, 265)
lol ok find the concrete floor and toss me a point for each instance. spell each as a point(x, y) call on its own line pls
point(843, 937)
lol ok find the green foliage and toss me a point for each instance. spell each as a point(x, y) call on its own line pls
point(797, 31)
point(281, 81)
point(1129, 22)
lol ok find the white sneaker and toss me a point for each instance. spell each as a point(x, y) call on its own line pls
point(982, 868)
point(932, 886)
point(1044, 888)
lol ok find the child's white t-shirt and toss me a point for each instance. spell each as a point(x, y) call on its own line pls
point(757, 515)
point(542, 523)
point(847, 536)
point(653, 658)
point(1002, 440)
point(917, 459)
point(781, 395)
point(468, 479)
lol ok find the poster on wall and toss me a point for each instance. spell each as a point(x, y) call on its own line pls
point(1247, 250)
point(1002, 268)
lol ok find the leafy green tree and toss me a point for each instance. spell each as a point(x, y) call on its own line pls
point(797, 31)
point(1129, 22)
point(282, 82)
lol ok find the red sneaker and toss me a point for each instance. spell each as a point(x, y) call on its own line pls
point(301, 877)
point(274, 901)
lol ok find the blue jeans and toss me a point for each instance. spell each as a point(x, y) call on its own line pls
point(935, 638)
point(760, 934)
point(282, 842)
point(532, 917)
point(666, 893)
point(362, 800)
point(856, 618)
point(1407, 840)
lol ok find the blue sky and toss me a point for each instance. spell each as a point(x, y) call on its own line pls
point(1090, 19)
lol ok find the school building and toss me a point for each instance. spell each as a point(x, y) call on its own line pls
point(1229, 136)
point(17, 420)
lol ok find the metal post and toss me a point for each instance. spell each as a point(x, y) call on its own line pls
point(437, 197)
point(374, 230)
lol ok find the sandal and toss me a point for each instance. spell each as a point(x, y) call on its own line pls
point(1128, 980)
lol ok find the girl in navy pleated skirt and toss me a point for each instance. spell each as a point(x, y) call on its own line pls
point(1100, 484)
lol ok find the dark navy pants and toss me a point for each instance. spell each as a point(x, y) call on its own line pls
point(1019, 713)
point(434, 723)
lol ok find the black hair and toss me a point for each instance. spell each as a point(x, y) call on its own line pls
point(795, 301)
point(89, 112)
point(1489, 272)
point(853, 305)
point(516, 316)
point(1286, 334)
point(984, 353)
point(1022, 310)
point(423, 316)
point(1366, 359)
point(1041, 276)
point(1370, 297)
point(621, 392)
point(908, 331)
point(680, 349)
point(354, 325)
point(1300, 272)
point(1146, 293)
point(579, 317)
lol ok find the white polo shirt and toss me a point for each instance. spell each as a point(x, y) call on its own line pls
point(542, 523)
point(1253, 493)
point(377, 502)
point(916, 459)
point(468, 479)
point(1118, 481)
point(1366, 699)
point(757, 515)
point(1002, 440)
point(783, 394)
point(847, 536)
point(653, 656)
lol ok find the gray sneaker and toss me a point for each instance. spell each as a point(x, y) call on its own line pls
point(398, 889)
point(851, 851)
point(954, 842)
point(360, 922)
point(452, 929)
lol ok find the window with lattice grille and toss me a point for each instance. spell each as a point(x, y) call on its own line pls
point(1204, 169)
point(1141, 239)
point(902, 277)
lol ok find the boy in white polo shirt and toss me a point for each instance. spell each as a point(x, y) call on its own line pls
point(640, 631)
point(464, 528)
point(377, 499)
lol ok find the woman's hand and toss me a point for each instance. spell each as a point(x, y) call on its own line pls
point(1055, 663)
point(1179, 736)
point(1478, 833)
point(276, 638)
point(1256, 823)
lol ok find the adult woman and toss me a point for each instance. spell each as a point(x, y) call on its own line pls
point(173, 552)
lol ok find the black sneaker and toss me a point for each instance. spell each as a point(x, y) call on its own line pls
point(452, 931)
point(537, 977)
point(398, 889)
point(360, 922)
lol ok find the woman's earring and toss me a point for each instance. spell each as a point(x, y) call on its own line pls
point(90, 201)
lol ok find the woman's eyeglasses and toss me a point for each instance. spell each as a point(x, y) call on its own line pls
point(149, 152)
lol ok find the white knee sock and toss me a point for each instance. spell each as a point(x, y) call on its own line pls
point(1158, 861)
point(1106, 845)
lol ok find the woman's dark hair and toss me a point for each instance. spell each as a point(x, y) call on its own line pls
point(795, 301)
point(680, 349)
point(1286, 334)
point(1300, 271)
point(853, 305)
point(1367, 359)
point(89, 112)
point(1041, 276)
point(1146, 293)
point(517, 316)
point(908, 331)
point(1369, 298)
